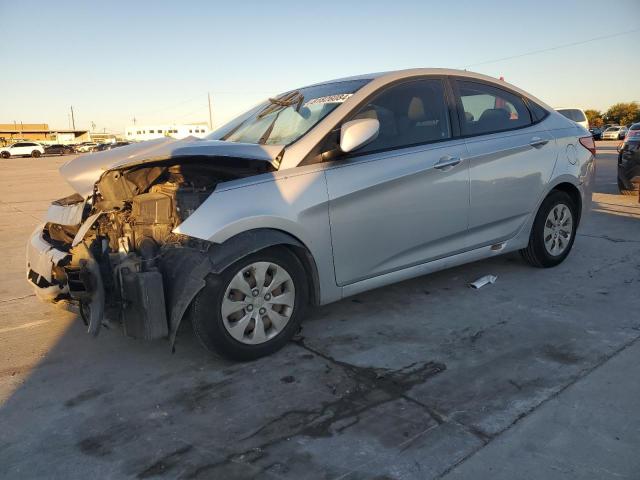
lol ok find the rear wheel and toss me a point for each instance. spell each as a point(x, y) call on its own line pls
point(35, 153)
point(553, 232)
point(624, 190)
point(252, 308)
point(6, 155)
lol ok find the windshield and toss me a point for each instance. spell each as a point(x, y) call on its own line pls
point(284, 119)
point(613, 129)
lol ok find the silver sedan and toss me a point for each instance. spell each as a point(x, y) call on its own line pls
point(316, 194)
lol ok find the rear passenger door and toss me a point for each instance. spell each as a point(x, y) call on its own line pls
point(404, 198)
point(511, 158)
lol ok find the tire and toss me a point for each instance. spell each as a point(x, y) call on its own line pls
point(213, 330)
point(625, 191)
point(537, 253)
point(35, 153)
point(6, 155)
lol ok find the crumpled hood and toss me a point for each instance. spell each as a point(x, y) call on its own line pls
point(84, 171)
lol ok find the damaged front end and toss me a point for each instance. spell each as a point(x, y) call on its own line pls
point(114, 252)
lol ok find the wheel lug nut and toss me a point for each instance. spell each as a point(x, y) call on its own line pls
point(267, 297)
point(255, 292)
point(249, 308)
point(262, 311)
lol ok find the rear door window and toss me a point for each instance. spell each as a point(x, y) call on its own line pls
point(487, 109)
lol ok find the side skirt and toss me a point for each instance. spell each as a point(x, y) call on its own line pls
point(433, 266)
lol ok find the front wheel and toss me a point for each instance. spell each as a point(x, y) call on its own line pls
point(252, 308)
point(553, 231)
point(6, 155)
point(35, 153)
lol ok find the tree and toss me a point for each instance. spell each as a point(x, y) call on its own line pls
point(594, 117)
point(623, 113)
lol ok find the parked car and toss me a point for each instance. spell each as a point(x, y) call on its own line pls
point(109, 146)
point(317, 194)
point(596, 133)
point(629, 161)
point(59, 149)
point(100, 147)
point(22, 149)
point(85, 147)
point(575, 114)
point(614, 133)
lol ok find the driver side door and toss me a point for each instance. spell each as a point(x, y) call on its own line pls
point(403, 199)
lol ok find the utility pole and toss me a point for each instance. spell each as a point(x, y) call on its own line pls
point(73, 120)
point(210, 117)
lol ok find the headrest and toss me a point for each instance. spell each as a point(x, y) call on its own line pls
point(495, 115)
point(416, 110)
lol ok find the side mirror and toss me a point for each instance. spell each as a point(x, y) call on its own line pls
point(357, 133)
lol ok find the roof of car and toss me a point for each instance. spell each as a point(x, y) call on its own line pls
point(408, 72)
point(414, 72)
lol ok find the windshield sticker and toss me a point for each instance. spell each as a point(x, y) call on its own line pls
point(328, 99)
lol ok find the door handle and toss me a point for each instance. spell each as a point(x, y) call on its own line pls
point(538, 142)
point(447, 161)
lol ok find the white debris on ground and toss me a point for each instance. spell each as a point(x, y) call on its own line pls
point(482, 281)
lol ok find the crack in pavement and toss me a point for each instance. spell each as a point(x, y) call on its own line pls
point(608, 238)
point(7, 300)
point(583, 374)
point(368, 388)
point(10, 205)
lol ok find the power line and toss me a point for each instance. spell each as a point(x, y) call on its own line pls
point(557, 47)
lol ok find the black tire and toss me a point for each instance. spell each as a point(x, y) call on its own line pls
point(625, 191)
point(35, 153)
point(536, 253)
point(6, 155)
point(206, 315)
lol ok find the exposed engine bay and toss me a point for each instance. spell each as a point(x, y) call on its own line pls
point(114, 262)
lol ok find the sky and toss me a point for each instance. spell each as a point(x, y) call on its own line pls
point(155, 61)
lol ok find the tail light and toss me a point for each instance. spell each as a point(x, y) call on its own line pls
point(589, 144)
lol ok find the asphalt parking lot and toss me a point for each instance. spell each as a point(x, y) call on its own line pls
point(534, 377)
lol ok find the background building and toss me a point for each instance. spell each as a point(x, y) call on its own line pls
point(137, 133)
point(40, 132)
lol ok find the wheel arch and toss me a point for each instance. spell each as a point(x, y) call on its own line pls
point(574, 193)
point(252, 241)
point(185, 270)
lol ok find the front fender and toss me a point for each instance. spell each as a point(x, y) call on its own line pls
point(294, 201)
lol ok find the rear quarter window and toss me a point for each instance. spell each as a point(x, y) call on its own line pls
point(573, 114)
